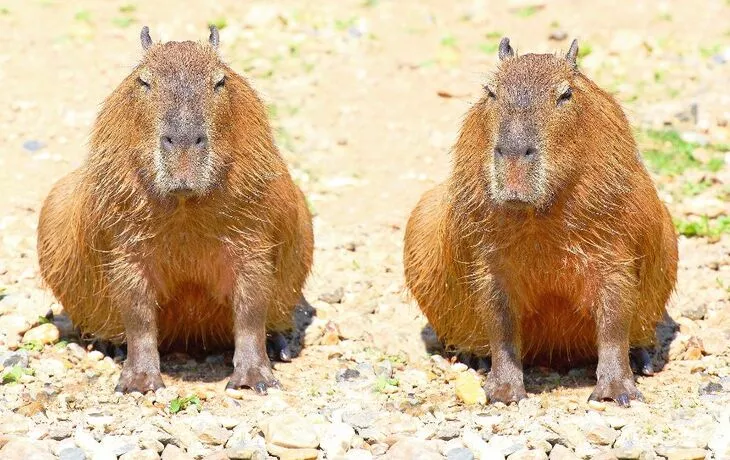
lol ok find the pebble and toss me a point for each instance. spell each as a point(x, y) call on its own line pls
point(24, 449)
point(14, 358)
point(359, 419)
point(95, 355)
point(358, 454)
point(720, 441)
point(479, 446)
point(45, 333)
point(145, 454)
point(50, 367)
point(680, 453)
point(285, 453)
point(172, 452)
point(335, 296)
point(14, 325)
point(211, 432)
point(597, 405)
point(409, 448)
point(560, 452)
point(290, 431)
point(469, 389)
point(600, 434)
point(72, 453)
point(118, 445)
point(460, 453)
point(527, 454)
point(76, 350)
point(15, 424)
point(336, 439)
point(506, 444)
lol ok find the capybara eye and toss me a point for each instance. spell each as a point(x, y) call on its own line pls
point(220, 83)
point(144, 84)
point(490, 93)
point(567, 94)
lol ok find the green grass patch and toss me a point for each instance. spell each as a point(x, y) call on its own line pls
point(667, 153)
point(123, 21)
point(14, 374)
point(180, 404)
point(449, 41)
point(584, 49)
point(220, 23)
point(33, 345)
point(83, 16)
point(527, 11)
point(128, 8)
point(703, 227)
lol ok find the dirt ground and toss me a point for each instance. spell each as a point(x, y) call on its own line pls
point(366, 97)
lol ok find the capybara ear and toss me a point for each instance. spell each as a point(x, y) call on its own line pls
point(572, 53)
point(505, 49)
point(213, 39)
point(144, 36)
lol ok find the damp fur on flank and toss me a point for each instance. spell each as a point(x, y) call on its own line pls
point(183, 223)
point(549, 229)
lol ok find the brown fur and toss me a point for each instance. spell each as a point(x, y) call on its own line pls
point(105, 231)
point(598, 226)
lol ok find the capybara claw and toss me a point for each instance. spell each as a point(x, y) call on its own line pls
point(277, 347)
point(141, 382)
point(641, 362)
point(621, 392)
point(258, 381)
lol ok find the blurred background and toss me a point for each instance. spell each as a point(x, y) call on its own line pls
point(366, 98)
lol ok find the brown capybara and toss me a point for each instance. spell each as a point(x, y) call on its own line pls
point(183, 227)
point(548, 242)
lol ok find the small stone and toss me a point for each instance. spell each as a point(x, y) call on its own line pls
point(72, 453)
point(45, 333)
point(220, 455)
point(696, 313)
point(290, 431)
point(335, 296)
point(714, 341)
point(95, 355)
point(558, 35)
point(285, 453)
point(507, 445)
point(24, 449)
point(51, 367)
point(336, 439)
point(408, 448)
point(15, 424)
point(14, 358)
point(608, 455)
point(560, 452)
point(359, 419)
point(469, 389)
point(60, 431)
point(597, 405)
point(172, 452)
point(235, 394)
point(460, 453)
point(358, 454)
point(479, 446)
point(211, 432)
point(600, 434)
point(527, 454)
point(13, 324)
point(76, 350)
point(118, 445)
point(347, 375)
point(680, 453)
point(145, 454)
point(711, 388)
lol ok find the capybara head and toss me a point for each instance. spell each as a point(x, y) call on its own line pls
point(181, 93)
point(531, 111)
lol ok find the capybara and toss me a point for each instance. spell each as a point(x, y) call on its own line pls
point(182, 228)
point(548, 243)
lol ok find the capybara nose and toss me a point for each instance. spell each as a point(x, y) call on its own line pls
point(512, 150)
point(172, 140)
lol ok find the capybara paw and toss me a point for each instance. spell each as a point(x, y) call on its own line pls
point(621, 391)
point(505, 392)
point(259, 379)
point(641, 362)
point(141, 381)
point(277, 347)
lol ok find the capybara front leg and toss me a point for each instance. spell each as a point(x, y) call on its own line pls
point(251, 365)
point(141, 370)
point(615, 379)
point(505, 381)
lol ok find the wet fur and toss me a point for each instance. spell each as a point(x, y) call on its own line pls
point(104, 227)
point(602, 226)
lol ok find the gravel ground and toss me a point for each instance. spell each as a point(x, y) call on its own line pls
point(366, 98)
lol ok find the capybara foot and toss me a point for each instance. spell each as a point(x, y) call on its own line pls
point(258, 378)
point(621, 391)
point(138, 380)
point(504, 392)
point(277, 347)
point(641, 362)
